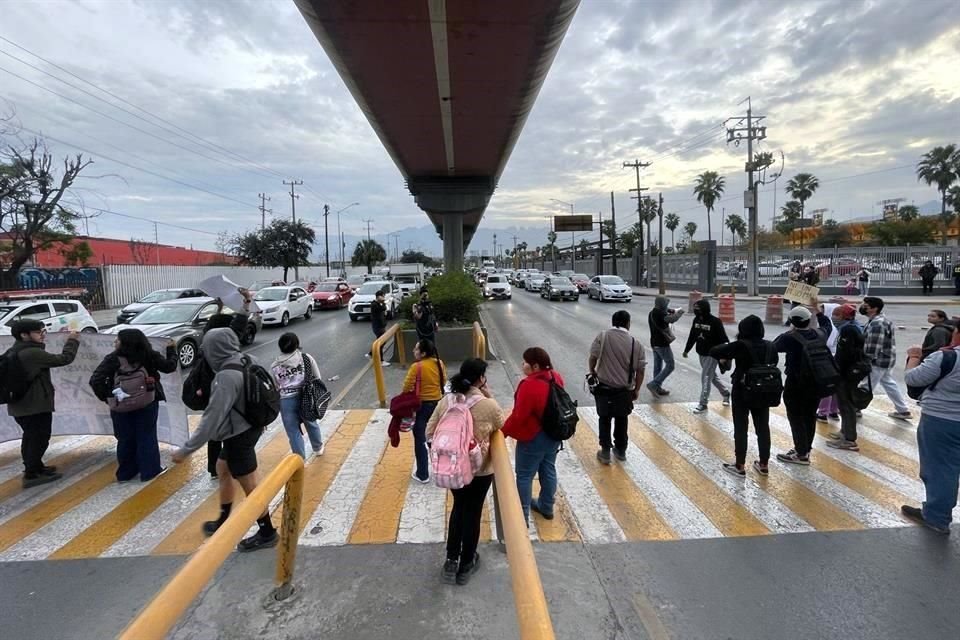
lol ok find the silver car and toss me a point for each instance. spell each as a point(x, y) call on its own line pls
point(559, 288)
point(605, 288)
point(534, 281)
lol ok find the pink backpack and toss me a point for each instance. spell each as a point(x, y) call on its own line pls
point(455, 455)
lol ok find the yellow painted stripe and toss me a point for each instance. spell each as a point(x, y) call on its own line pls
point(822, 514)
point(563, 527)
point(631, 508)
point(378, 518)
point(731, 518)
point(321, 471)
point(852, 478)
point(65, 464)
point(906, 466)
point(188, 535)
point(56, 505)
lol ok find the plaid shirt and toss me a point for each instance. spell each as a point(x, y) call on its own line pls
point(880, 345)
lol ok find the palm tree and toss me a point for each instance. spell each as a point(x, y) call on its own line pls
point(737, 226)
point(953, 197)
point(366, 253)
point(690, 229)
point(650, 211)
point(801, 187)
point(940, 166)
point(671, 221)
point(908, 213)
point(708, 190)
point(789, 214)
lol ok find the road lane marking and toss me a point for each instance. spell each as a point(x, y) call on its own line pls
point(680, 512)
point(332, 522)
point(12, 466)
point(67, 456)
point(820, 513)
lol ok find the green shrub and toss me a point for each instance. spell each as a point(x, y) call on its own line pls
point(456, 300)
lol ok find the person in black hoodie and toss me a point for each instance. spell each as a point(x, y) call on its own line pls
point(707, 332)
point(853, 367)
point(748, 350)
point(661, 335)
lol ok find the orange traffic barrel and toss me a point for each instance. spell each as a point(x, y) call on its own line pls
point(726, 313)
point(774, 314)
point(694, 296)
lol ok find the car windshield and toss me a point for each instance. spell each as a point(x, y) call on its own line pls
point(167, 314)
point(496, 279)
point(559, 280)
point(327, 286)
point(611, 280)
point(271, 294)
point(406, 279)
point(579, 276)
point(370, 288)
point(160, 296)
point(6, 309)
point(355, 280)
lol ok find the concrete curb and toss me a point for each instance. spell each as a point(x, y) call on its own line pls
point(933, 302)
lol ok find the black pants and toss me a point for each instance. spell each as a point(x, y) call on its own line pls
point(848, 412)
point(741, 427)
point(927, 285)
point(35, 440)
point(620, 434)
point(213, 452)
point(378, 331)
point(463, 533)
point(801, 403)
point(956, 286)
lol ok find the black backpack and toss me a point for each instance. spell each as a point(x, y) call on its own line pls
point(946, 366)
point(199, 379)
point(560, 414)
point(819, 369)
point(260, 393)
point(13, 379)
point(763, 384)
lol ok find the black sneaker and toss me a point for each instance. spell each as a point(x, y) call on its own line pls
point(535, 506)
point(210, 527)
point(620, 455)
point(463, 575)
point(734, 470)
point(916, 515)
point(603, 455)
point(449, 573)
point(35, 480)
point(48, 470)
point(259, 540)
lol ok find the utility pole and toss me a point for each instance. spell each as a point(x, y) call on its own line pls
point(516, 265)
point(326, 237)
point(264, 199)
point(735, 134)
point(600, 243)
point(156, 241)
point(494, 257)
point(613, 236)
point(660, 281)
point(293, 197)
point(637, 165)
point(368, 223)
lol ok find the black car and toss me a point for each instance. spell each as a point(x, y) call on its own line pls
point(559, 288)
point(155, 297)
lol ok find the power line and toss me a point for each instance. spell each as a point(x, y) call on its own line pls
point(150, 220)
point(127, 102)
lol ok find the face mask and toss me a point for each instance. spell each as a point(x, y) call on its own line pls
point(863, 309)
point(836, 322)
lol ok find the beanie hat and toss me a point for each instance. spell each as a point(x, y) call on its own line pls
point(847, 311)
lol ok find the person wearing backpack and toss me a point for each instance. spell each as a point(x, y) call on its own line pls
point(617, 364)
point(128, 380)
point(236, 418)
point(938, 435)
point(290, 370)
point(756, 387)
point(853, 367)
point(463, 529)
point(426, 320)
point(880, 347)
point(429, 375)
point(30, 395)
point(939, 335)
point(802, 389)
point(707, 331)
point(536, 453)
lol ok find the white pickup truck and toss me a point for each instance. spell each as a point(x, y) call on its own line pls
point(409, 277)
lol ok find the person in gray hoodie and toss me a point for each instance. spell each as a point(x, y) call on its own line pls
point(223, 420)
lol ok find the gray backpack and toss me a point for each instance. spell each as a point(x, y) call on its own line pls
point(133, 388)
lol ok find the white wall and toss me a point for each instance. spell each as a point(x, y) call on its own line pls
point(123, 284)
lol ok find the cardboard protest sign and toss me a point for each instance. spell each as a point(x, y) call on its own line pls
point(801, 292)
point(79, 412)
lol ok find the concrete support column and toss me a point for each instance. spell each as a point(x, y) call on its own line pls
point(452, 242)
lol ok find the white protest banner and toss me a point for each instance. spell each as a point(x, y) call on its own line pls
point(79, 412)
point(227, 291)
point(801, 292)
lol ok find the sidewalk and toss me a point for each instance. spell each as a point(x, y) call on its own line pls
point(937, 300)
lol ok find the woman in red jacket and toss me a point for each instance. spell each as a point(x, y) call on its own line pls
point(536, 451)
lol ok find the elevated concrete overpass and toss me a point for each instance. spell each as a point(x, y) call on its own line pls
point(447, 87)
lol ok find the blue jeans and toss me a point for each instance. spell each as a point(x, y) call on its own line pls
point(662, 365)
point(939, 443)
point(537, 457)
point(420, 438)
point(137, 449)
point(290, 414)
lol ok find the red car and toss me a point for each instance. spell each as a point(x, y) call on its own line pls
point(581, 281)
point(331, 295)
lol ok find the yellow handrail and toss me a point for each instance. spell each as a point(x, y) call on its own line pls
point(479, 342)
point(533, 618)
point(158, 617)
point(397, 334)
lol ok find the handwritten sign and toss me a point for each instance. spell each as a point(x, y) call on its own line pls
point(802, 293)
point(79, 412)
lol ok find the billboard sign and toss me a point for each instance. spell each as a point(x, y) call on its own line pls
point(572, 223)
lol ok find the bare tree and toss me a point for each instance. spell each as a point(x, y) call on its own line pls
point(140, 250)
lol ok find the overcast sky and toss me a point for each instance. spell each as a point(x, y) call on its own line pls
point(848, 88)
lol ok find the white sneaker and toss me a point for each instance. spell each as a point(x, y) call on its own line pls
point(700, 409)
point(319, 452)
point(385, 364)
point(366, 355)
point(414, 476)
point(905, 415)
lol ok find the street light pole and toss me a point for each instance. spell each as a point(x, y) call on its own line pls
point(340, 233)
point(573, 237)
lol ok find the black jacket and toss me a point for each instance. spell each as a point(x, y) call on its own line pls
point(707, 331)
point(849, 348)
point(745, 353)
point(790, 345)
point(35, 363)
point(102, 379)
point(378, 315)
point(928, 272)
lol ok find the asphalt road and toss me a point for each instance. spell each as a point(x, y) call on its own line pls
point(566, 329)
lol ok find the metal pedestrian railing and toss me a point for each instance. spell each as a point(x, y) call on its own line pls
point(394, 333)
point(158, 617)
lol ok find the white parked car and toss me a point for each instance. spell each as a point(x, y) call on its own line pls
point(360, 303)
point(605, 288)
point(280, 305)
point(498, 286)
point(56, 315)
point(534, 281)
point(771, 270)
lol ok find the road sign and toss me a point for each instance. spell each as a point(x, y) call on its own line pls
point(572, 223)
